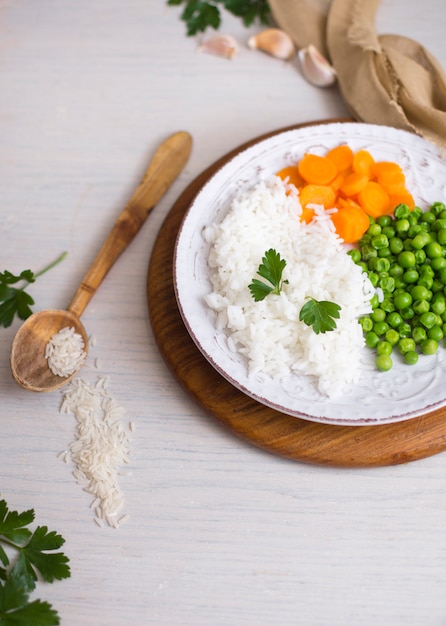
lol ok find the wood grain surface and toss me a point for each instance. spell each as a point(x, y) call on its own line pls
point(309, 442)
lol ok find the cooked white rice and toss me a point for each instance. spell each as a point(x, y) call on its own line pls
point(268, 333)
point(101, 447)
point(65, 352)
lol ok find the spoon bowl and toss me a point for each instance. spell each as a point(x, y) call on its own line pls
point(29, 366)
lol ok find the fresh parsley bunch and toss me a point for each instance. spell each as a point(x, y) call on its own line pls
point(15, 300)
point(199, 14)
point(35, 556)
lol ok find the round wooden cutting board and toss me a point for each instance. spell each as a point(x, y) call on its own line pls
point(309, 442)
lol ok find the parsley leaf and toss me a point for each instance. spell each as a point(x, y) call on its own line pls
point(15, 300)
point(320, 314)
point(36, 556)
point(200, 14)
point(271, 269)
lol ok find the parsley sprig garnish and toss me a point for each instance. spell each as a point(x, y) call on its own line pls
point(199, 14)
point(320, 314)
point(35, 557)
point(15, 300)
point(271, 269)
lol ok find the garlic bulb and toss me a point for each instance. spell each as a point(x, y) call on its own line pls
point(275, 42)
point(221, 45)
point(315, 67)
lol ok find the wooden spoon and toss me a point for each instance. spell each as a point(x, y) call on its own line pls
point(29, 366)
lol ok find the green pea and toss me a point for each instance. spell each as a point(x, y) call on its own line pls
point(366, 323)
point(433, 250)
point(396, 271)
point(394, 319)
point(371, 339)
point(421, 306)
point(411, 357)
point(420, 256)
point(438, 224)
point(383, 363)
point(401, 211)
point(405, 330)
point(380, 328)
point(437, 208)
point(442, 276)
point(406, 259)
point(441, 236)
point(373, 230)
point(419, 334)
point(387, 305)
point(438, 306)
point(384, 347)
point(388, 230)
point(436, 333)
point(402, 300)
point(368, 251)
point(426, 281)
point(406, 344)
point(379, 241)
point(392, 336)
point(429, 346)
point(355, 255)
point(384, 220)
point(396, 245)
point(428, 319)
point(419, 241)
point(387, 283)
point(374, 301)
point(411, 276)
point(385, 253)
point(429, 217)
point(378, 315)
point(419, 292)
point(373, 278)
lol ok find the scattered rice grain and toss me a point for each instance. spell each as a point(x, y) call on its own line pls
point(101, 445)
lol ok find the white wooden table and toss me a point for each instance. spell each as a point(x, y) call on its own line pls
point(219, 532)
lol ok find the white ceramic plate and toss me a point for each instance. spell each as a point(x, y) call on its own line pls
point(404, 392)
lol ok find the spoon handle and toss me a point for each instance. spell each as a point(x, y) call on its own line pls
point(167, 162)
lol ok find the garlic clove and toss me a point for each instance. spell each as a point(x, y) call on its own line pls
point(315, 67)
point(221, 45)
point(275, 42)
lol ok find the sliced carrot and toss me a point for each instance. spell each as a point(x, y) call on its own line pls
point(317, 194)
point(306, 215)
point(317, 170)
point(381, 169)
point(343, 203)
point(353, 183)
point(392, 179)
point(363, 162)
point(341, 156)
point(374, 199)
point(350, 223)
point(337, 182)
point(292, 173)
point(402, 198)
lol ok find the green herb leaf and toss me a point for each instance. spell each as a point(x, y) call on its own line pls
point(36, 556)
point(320, 314)
point(16, 610)
point(200, 15)
point(271, 269)
point(15, 300)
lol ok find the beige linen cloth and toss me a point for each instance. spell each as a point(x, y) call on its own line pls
point(384, 79)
